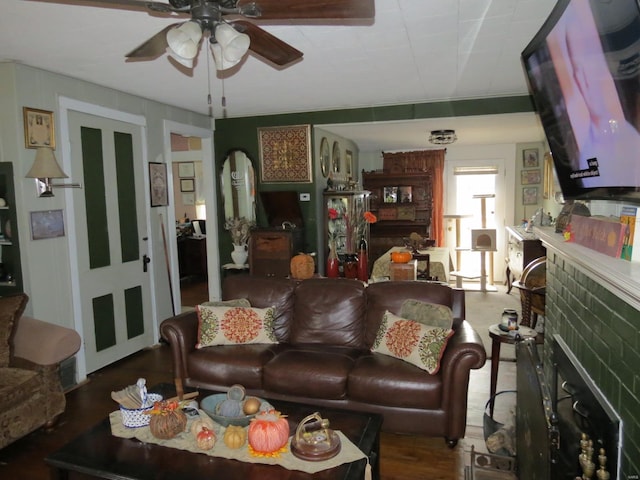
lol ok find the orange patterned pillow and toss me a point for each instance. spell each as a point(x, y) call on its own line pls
point(234, 325)
point(418, 344)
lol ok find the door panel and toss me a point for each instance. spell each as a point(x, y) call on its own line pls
point(110, 219)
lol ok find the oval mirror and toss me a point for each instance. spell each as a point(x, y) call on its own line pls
point(238, 186)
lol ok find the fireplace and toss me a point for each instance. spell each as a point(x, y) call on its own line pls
point(554, 413)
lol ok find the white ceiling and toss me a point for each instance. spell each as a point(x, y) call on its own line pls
point(415, 51)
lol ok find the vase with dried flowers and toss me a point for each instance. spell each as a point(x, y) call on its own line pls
point(239, 229)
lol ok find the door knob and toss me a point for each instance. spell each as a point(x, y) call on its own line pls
point(145, 261)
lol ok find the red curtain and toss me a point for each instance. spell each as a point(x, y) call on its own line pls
point(432, 160)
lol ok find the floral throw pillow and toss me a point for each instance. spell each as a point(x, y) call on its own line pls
point(234, 325)
point(418, 344)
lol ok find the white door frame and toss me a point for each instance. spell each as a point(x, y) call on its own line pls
point(65, 105)
point(209, 174)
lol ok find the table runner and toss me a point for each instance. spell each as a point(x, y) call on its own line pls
point(349, 452)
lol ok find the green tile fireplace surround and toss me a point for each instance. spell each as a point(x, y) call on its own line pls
point(593, 302)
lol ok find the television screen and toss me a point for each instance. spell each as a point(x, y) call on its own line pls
point(583, 72)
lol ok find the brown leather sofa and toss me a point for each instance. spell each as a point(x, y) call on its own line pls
point(326, 328)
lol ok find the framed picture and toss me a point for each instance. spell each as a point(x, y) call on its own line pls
point(186, 170)
point(390, 194)
point(188, 199)
point(547, 191)
point(38, 128)
point(530, 177)
point(348, 160)
point(405, 194)
point(530, 195)
point(285, 154)
point(187, 185)
point(530, 158)
point(158, 184)
point(47, 224)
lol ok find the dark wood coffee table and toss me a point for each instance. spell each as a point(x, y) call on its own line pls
point(99, 454)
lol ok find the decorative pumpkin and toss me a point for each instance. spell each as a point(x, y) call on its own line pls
point(229, 408)
point(234, 436)
point(206, 439)
point(167, 420)
point(302, 266)
point(251, 405)
point(401, 257)
point(268, 432)
point(203, 422)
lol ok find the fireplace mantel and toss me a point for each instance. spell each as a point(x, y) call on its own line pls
point(620, 277)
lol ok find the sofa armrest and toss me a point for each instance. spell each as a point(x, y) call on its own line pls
point(181, 332)
point(465, 351)
point(44, 343)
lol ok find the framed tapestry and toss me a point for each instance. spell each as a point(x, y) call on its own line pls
point(158, 184)
point(38, 128)
point(285, 154)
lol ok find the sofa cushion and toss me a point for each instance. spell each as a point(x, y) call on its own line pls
point(226, 365)
point(312, 371)
point(16, 385)
point(412, 342)
point(11, 308)
point(335, 317)
point(384, 380)
point(234, 325)
point(427, 313)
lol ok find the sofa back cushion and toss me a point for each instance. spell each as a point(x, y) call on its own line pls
point(329, 311)
point(265, 292)
point(391, 296)
point(11, 308)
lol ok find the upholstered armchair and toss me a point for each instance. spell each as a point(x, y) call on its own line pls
point(31, 394)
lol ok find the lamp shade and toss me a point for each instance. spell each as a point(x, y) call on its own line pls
point(45, 165)
point(218, 57)
point(234, 44)
point(183, 41)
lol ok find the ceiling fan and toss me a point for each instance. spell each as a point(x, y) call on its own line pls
point(229, 26)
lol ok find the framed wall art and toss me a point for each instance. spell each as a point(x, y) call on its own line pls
point(530, 177)
point(405, 194)
point(187, 185)
point(390, 194)
point(285, 154)
point(186, 170)
point(530, 196)
point(47, 224)
point(530, 158)
point(38, 128)
point(158, 184)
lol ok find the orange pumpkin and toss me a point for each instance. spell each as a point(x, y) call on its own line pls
point(401, 257)
point(302, 266)
point(268, 432)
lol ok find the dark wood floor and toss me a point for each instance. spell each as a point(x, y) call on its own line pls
point(403, 457)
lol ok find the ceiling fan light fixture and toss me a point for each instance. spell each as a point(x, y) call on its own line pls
point(234, 45)
point(184, 40)
point(218, 57)
point(442, 137)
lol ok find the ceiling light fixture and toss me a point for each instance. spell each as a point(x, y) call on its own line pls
point(442, 137)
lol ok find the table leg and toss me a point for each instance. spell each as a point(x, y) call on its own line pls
point(495, 361)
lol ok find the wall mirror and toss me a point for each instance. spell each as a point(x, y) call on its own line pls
point(238, 186)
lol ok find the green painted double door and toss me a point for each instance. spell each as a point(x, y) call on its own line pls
point(110, 225)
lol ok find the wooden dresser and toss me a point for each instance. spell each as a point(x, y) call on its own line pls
point(270, 252)
point(522, 248)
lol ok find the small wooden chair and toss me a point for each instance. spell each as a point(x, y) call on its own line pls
point(532, 286)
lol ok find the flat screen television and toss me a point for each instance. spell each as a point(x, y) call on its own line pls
point(583, 71)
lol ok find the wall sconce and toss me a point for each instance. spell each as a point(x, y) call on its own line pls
point(44, 168)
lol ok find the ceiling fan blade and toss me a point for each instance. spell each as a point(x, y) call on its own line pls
point(312, 9)
point(154, 47)
point(267, 45)
point(142, 5)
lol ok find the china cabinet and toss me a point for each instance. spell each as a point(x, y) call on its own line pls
point(402, 202)
point(10, 270)
point(344, 220)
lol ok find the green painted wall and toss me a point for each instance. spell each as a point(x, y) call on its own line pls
point(242, 133)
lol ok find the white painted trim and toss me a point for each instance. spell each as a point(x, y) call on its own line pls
point(208, 171)
point(65, 105)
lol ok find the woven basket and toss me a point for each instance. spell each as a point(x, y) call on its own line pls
point(139, 417)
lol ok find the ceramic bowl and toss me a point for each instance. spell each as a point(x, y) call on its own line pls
point(209, 405)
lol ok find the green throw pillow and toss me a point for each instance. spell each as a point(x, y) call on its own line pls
point(236, 302)
point(418, 344)
point(426, 313)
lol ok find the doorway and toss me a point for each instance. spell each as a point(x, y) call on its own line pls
point(477, 195)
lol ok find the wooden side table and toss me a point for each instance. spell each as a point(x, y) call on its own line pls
point(498, 337)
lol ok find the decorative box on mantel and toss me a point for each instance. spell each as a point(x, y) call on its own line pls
point(599, 234)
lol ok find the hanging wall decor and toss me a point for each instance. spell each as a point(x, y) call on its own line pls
point(285, 154)
point(38, 128)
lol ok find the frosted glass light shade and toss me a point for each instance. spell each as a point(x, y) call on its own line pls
point(183, 42)
point(233, 43)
